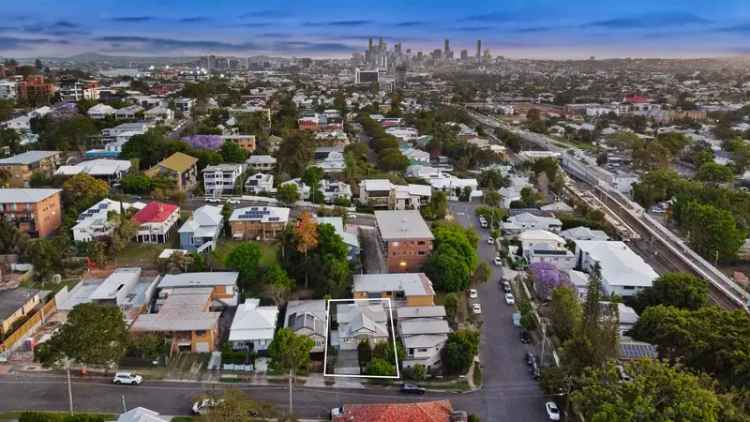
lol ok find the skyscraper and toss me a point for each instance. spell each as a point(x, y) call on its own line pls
point(464, 55)
point(479, 50)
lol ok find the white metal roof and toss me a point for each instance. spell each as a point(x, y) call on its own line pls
point(407, 224)
point(25, 196)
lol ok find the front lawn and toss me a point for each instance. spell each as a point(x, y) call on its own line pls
point(225, 247)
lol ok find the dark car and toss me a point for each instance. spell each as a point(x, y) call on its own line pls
point(525, 337)
point(534, 371)
point(412, 389)
point(530, 358)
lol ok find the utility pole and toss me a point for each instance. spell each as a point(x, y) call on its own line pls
point(70, 387)
point(291, 402)
point(124, 407)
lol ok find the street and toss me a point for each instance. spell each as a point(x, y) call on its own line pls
point(501, 351)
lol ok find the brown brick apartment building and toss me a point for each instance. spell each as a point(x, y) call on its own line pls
point(406, 239)
point(22, 166)
point(36, 212)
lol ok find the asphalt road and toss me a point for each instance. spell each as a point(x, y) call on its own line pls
point(501, 352)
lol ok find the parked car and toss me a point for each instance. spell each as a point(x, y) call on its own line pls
point(552, 411)
point(213, 200)
point(498, 261)
point(490, 241)
point(233, 201)
point(201, 407)
point(127, 378)
point(530, 358)
point(477, 308)
point(506, 287)
point(509, 299)
point(525, 337)
point(473, 293)
point(337, 411)
point(534, 371)
point(412, 389)
point(623, 375)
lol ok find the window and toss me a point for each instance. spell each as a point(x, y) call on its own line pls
point(421, 242)
point(421, 252)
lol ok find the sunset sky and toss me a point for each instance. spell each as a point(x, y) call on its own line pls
point(326, 28)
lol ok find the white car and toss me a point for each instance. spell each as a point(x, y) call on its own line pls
point(233, 201)
point(477, 308)
point(509, 299)
point(498, 261)
point(490, 241)
point(473, 293)
point(213, 200)
point(201, 407)
point(552, 411)
point(127, 378)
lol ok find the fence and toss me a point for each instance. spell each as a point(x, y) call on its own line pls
point(30, 325)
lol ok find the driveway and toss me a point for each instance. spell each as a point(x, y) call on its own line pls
point(374, 259)
point(501, 352)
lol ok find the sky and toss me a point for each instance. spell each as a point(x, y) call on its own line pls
point(330, 28)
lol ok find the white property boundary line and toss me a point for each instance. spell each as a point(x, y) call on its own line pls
point(328, 329)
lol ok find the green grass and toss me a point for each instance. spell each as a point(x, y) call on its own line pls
point(225, 247)
point(477, 375)
point(12, 416)
point(139, 255)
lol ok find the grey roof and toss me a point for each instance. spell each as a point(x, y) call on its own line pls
point(28, 157)
point(437, 311)
point(119, 279)
point(419, 326)
point(636, 350)
point(412, 284)
point(424, 341)
point(396, 225)
point(310, 314)
point(25, 196)
point(12, 299)
point(199, 279)
point(181, 311)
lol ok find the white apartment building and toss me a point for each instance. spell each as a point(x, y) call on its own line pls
point(259, 183)
point(8, 90)
point(94, 222)
point(221, 179)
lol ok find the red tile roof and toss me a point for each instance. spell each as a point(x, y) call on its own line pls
point(154, 212)
point(431, 411)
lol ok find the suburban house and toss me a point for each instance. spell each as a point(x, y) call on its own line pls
point(22, 166)
point(224, 292)
point(262, 223)
point(259, 183)
point(35, 212)
point(184, 105)
point(308, 318)
point(201, 231)
point(350, 239)
point(333, 191)
point(246, 142)
point(128, 113)
point(583, 233)
point(527, 221)
point(15, 304)
point(114, 138)
point(423, 331)
point(381, 193)
point(409, 289)
point(184, 317)
point(544, 246)
point(426, 411)
point(261, 162)
point(253, 326)
point(94, 223)
point(180, 167)
point(221, 179)
point(330, 159)
point(302, 188)
point(358, 321)
point(141, 414)
point(159, 114)
point(623, 272)
point(100, 111)
point(106, 169)
point(406, 239)
point(156, 222)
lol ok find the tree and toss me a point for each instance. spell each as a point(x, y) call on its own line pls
point(93, 334)
point(492, 179)
point(712, 172)
point(306, 234)
point(437, 208)
point(47, 257)
point(138, 184)
point(278, 284)
point(492, 198)
point(565, 312)
point(713, 232)
point(657, 392)
point(12, 240)
point(380, 367)
point(312, 177)
point(295, 153)
point(681, 290)
point(448, 270)
point(236, 406)
point(482, 273)
point(245, 259)
point(450, 302)
point(82, 191)
point(364, 353)
point(290, 353)
point(233, 153)
point(459, 351)
point(288, 193)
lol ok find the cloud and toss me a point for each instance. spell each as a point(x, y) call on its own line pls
point(13, 43)
point(134, 19)
point(340, 23)
point(534, 29)
point(267, 14)
point(161, 44)
point(313, 47)
point(492, 17)
point(742, 28)
point(408, 24)
point(59, 28)
point(274, 35)
point(65, 24)
point(670, 19)
point(473, 28)
point(194, 19)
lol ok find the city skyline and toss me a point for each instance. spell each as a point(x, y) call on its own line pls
point(534, 29)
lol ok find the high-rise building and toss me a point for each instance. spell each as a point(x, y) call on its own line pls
point(464, 55)
point(479, 49)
